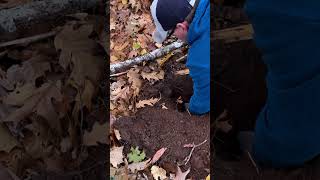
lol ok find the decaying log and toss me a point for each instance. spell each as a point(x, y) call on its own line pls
point(114, 68)
point(41, 10)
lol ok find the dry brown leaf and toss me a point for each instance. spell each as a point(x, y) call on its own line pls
point(122, 93)
point(97, 134)
point(163, 106)
point(181, 175)
point(37, 143)
point(85, 66)
point(112, 119)
point(113, 58)
point(124, 2)
point(224, 126)
point(28, 72)
point(164, 59)
point(134, 79)
point(19, 95)
point(158, 154)
point(54, 164)
point(153, 75)
point(150, 102)
point(117, 134)
point(183, 72)
point(116, 156)
point(75, 39)
point(6, 174)
point(7, 141)
point(179, 100)
point(46, 109)
point(120, 47)
point(65, 144)
point(40, 103)
point(158, 173)
point(84, 99)
point(139, 166)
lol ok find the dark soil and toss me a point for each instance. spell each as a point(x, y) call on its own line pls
point(153, 128)
point(243, 169)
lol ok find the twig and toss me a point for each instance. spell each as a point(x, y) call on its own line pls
point(3, 53)
point(119, 74)
point(253, 162)
point(145, 176)
point(28, 39)
point(114, 68)
point(188, 111)
point(224, 86)
point(81, 122)
point(181, 58)
point(187, 159)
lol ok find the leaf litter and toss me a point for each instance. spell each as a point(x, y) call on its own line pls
point(131, 29)
point(49, 98)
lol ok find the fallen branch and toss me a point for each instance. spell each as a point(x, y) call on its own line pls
point(41, 10)
point(114, 68)
point(28, 39)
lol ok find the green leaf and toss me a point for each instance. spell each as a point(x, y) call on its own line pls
point(136, 46)
point(136, 155)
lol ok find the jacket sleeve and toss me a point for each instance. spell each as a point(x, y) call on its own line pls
point(199, 58)
point(199, 66)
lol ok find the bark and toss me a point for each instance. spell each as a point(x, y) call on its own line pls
point(41, 10)
point(122, 66)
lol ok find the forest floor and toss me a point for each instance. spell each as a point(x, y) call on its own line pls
point(53, 99)
point(146, 105)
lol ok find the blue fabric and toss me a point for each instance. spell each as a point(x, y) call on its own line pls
point(199, 58)
point(288, 33)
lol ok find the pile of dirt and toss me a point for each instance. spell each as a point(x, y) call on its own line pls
point(154, 128)
point(166, 125)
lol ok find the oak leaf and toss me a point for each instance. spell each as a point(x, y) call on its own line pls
point(116, 156)
point(139, 166)
point(150, 102)
point(156, 76)
point(97, 134)
point(158, 173)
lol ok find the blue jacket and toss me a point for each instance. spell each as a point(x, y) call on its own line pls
point(288, 33)
point(199, 58)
